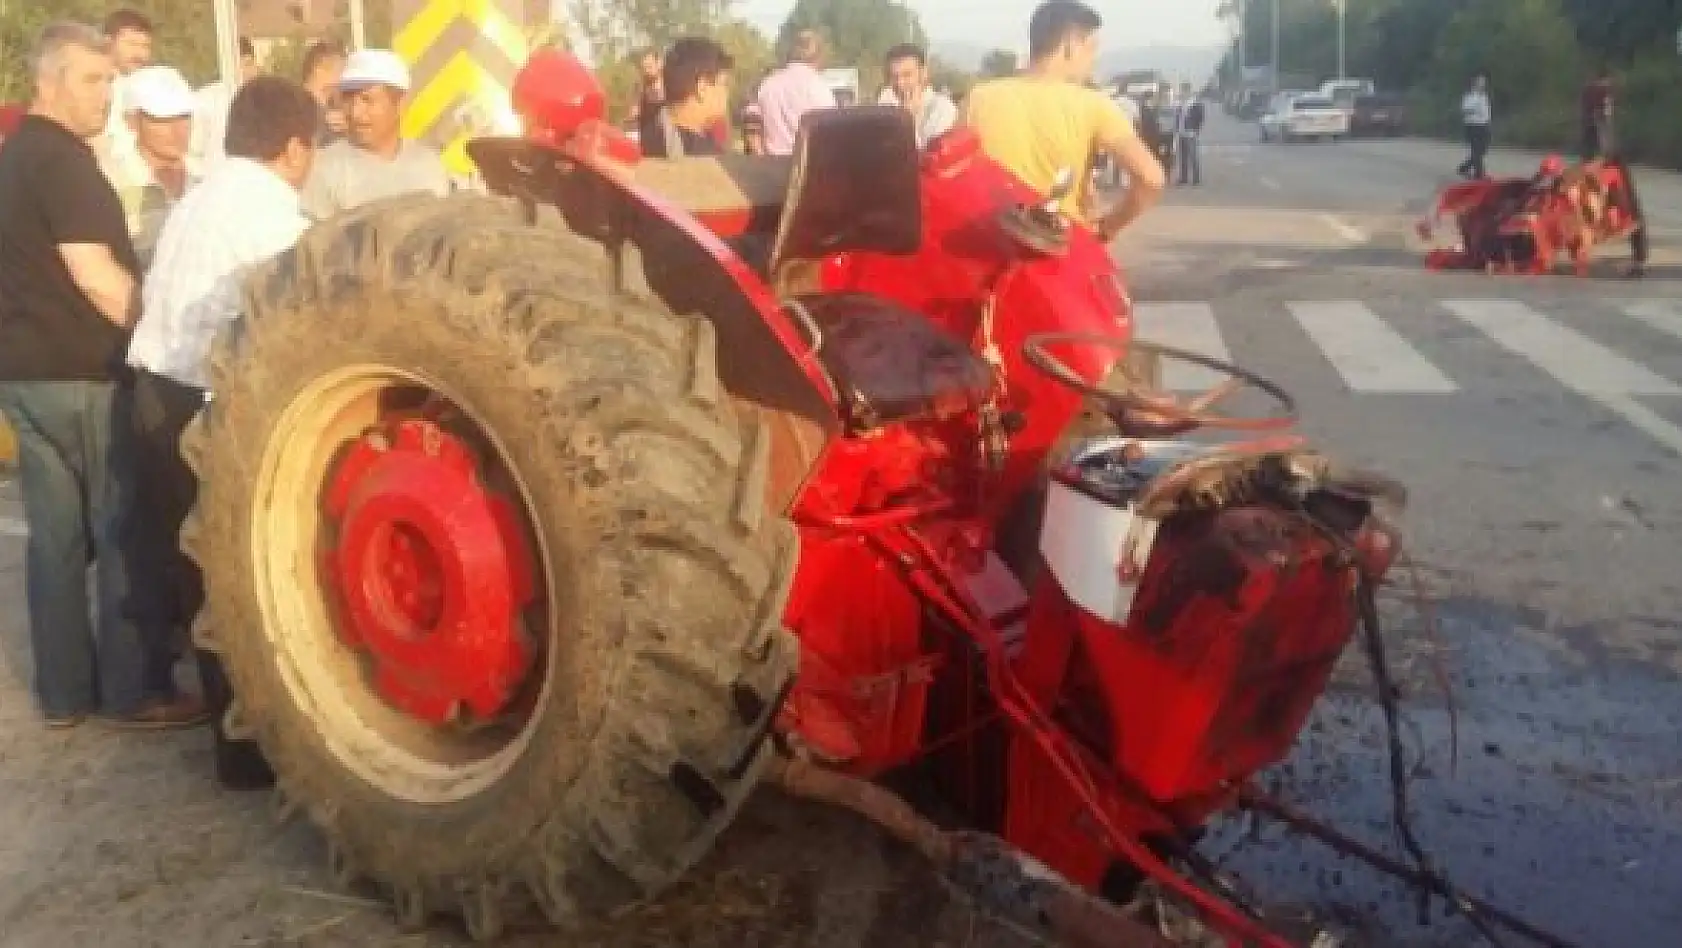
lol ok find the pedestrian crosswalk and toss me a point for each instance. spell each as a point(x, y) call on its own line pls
point(1611, 352)
point(1370, 355)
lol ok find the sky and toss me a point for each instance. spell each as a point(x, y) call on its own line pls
point(990, 24)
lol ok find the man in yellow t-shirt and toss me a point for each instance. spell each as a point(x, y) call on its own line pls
point(1047, 120)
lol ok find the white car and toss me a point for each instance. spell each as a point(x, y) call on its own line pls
point(1292, 118)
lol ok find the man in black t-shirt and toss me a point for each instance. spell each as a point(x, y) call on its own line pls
point(68, 280)
point(696, 78)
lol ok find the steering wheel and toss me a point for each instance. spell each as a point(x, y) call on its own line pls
point(1139, 412)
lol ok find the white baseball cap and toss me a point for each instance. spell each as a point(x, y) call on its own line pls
point(158, 92)
point(375, 67)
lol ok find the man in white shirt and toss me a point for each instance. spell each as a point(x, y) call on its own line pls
point(907, 70)
point(154, 170)
point(245, 212)
point(792, 91)
point(1475, 112)
point(210, 113)
point(374, 161)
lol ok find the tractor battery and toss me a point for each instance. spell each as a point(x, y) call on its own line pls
point(1209, 636)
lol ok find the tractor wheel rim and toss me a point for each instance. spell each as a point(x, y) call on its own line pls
point(398, 587)
point(431, 572)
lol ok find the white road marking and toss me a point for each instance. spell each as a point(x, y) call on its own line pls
point(1189, 326)
point(1585, 367)
point(13, 526)
point(1269, 183)
point(1573, 359)
point(1366, 352)
point(1352, 234)
point(1662, 315)
point(1643, 418)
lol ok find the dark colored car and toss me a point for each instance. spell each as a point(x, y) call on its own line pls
point(1378, 115)
point(1252, 104)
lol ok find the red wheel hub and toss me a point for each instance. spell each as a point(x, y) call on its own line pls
point(432, 573)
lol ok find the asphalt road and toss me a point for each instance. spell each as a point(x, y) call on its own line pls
point(1538, 425)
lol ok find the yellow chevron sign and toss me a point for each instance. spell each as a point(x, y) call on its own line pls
point(463, 55)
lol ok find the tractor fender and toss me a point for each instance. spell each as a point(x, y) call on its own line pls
point(766, 357)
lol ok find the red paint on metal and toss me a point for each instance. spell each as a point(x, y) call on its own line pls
point(430, 572)
point(1113, 732)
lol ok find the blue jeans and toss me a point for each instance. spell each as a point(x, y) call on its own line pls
point(71, 495)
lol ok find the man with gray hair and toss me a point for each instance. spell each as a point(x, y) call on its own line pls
point(68, 292)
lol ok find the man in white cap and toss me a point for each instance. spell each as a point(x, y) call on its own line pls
point(151, 171)
point(373, 161)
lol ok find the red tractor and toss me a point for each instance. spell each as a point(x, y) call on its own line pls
point(539, 528)
point(1524, 225)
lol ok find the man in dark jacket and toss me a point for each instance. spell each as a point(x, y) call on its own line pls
point(1150, 129)
point(1187, 132)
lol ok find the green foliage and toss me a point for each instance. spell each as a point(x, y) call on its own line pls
point(945, 75)
point(999, 62)
point(858, 34)
point(186, 39)
point(617, 31)
point(1538, 54)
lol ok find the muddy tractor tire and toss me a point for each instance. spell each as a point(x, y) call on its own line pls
point(656, 587)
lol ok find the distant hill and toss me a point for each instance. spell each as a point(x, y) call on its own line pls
point(1188, 63)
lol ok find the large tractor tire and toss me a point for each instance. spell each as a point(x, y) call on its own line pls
point(650, 613)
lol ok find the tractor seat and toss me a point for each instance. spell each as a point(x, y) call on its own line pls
point(891, 364)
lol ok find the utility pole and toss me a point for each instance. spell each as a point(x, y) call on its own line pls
point(1243, 38)
point(1341, 4)
point(1274, 68)
point(358, 27)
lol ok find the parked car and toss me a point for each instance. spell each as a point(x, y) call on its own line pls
point(1303, 115)
point(1381, 114)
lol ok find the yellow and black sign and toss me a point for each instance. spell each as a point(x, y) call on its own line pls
point(463, 55)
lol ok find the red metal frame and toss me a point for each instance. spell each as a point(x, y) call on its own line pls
point(1546, 219)
point(902, 595)
point(430, 572)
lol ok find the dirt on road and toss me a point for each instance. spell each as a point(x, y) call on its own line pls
point(124, 841)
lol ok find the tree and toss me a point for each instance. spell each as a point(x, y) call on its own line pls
point(185, 38)
point(944, 75)
point(616, 32)
point(858, 33)
point(999, 62)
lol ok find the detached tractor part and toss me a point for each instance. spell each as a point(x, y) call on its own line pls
point(537, 529)
point(1525, 225)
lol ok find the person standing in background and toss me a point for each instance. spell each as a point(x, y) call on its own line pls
point(696, 78)
point(210, 115)
point(1596, 117)
point(374, 160)
point(1476, 115)
point(129, 38)
point(157, 170)
point(323, 65)
point(792, 91)
point(651, 96)
point(753, 130)
point(1046, 122)
point(1188, 131)
point(69, 287)
point(906, 69)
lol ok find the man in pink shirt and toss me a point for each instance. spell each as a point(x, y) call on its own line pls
point(792, 91)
